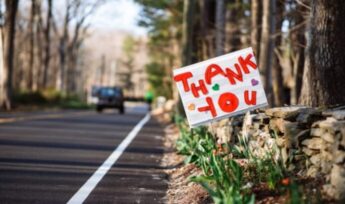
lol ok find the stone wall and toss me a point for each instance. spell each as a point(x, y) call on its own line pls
point(312, 142)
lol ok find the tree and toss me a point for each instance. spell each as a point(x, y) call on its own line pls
point(77, 12)
point(298, 44)
point(277, 72)
point(9, 38)
point(266, 46)
point(47, 44)
point(155, 72)
point(164, 20)
point(63, 47)
point(129, 48)
point(2, 67)
point(81, 10)
point(187, 41)
point(102, 70)
point(187, 31)
point(256, 19)
point(234, 15)
point(33, 32)
point(324, 73)
point(207, 27)
point(220, 27)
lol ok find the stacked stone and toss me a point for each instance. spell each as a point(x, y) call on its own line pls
point(221, 130)
point(291, 125)
point(256, 131)
point(303, 135)
point(255, 123)
point(235, 124)
point(328, 139)
point(318, 148)
point(226, 130)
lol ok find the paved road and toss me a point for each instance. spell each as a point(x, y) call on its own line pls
point(47, 159)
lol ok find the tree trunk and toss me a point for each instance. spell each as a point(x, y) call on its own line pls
point(278, 86)
point(2, 67)
point(266, 47)
point(187, 41)
point(38, 74)
point(2, 71)
point(32, 33)
point(256, 20)
point(73, 49)
point(207, 27)
point(102, 71)
point(298, 42)
point(203, 29)
point(233, 32)
point(187, 32)
point(9, 37)
point(324, 70)
point(220, 27)
point(298, 68)
point(47, 45)
point(61, 83)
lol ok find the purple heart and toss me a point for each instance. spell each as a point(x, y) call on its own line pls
point(254, 82)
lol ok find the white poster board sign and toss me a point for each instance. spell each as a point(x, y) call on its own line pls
point(220, 87)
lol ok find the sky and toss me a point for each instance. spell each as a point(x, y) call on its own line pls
point(111, 15)
point(118, 14)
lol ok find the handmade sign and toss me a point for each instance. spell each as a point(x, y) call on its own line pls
point(220, 87)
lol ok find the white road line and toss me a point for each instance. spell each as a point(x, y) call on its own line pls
point(91, 183)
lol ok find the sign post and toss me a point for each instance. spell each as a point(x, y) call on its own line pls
point(220, 87)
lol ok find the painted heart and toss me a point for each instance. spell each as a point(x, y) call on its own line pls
point(215, 87)
point(191, 106)
point(255, 82)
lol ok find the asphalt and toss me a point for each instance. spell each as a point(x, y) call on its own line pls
point(47, 159)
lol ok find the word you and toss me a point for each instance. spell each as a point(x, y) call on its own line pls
point(220, 86)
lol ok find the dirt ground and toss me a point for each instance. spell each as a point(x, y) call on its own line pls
point(180, 189)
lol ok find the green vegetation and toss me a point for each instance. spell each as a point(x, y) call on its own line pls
point(226, 178)
point(157, 82)
point(163, 19)
point(129, 49)
point(49, 98)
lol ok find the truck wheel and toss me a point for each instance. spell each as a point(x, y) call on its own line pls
point(122, 110)
point(99, 109)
